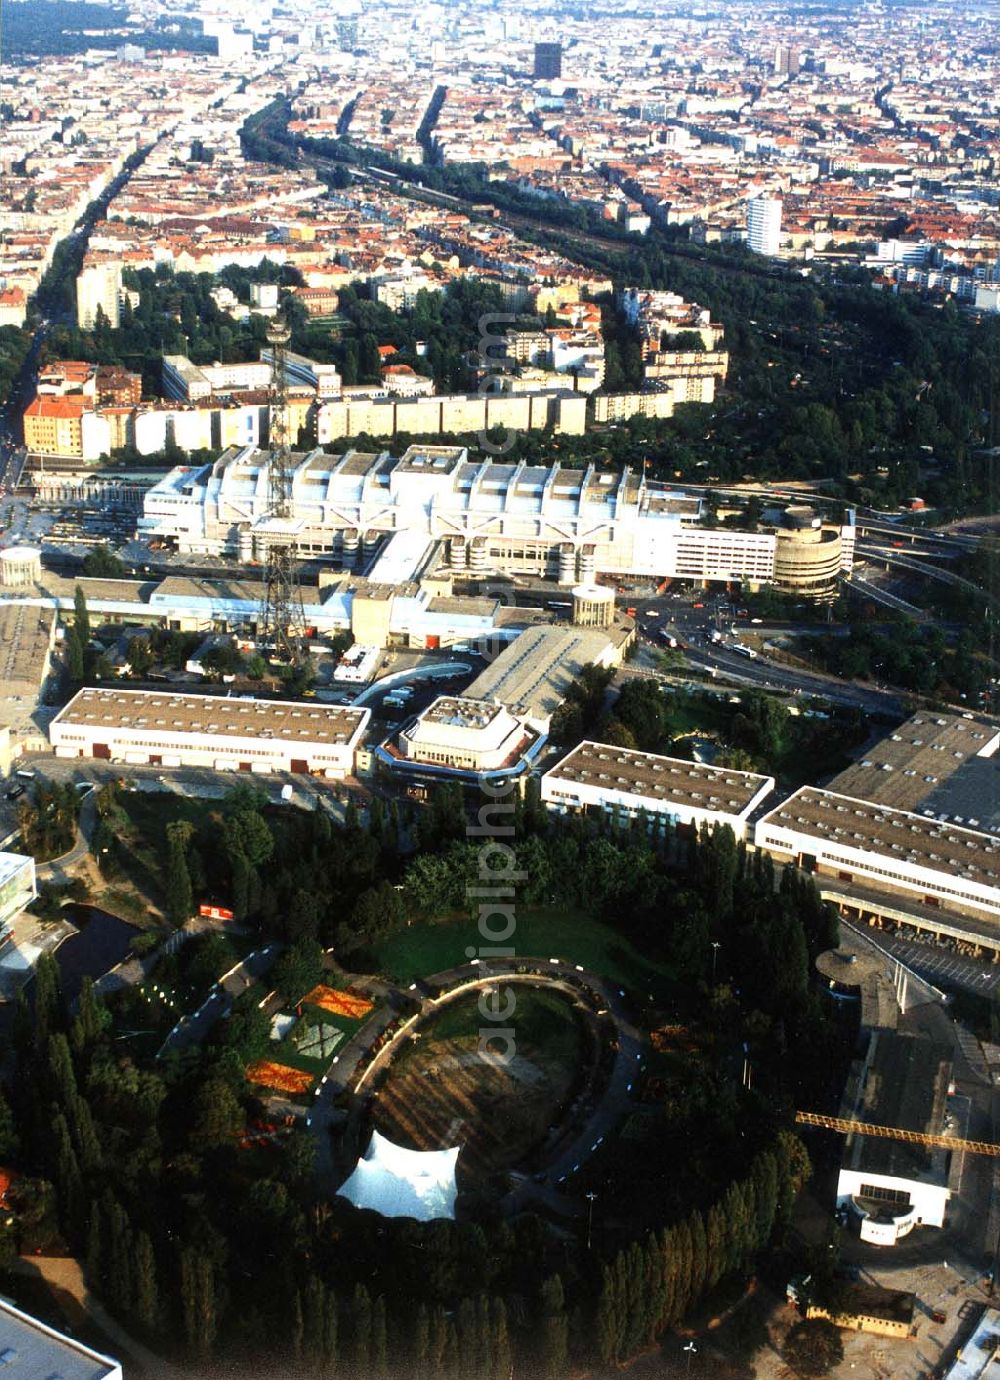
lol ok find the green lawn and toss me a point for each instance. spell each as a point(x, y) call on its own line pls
point(318, 1015)
point(286, 1052)
point(542, 932)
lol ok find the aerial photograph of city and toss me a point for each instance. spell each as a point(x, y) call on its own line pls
point(500, 695)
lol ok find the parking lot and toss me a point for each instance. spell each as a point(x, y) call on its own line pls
point(941, 964)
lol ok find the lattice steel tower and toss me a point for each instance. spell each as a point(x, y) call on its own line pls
point(282, 620)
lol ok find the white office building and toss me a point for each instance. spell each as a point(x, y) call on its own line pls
point(156, 728)
point(466, 735)
point(17, 888)
point(764, 225)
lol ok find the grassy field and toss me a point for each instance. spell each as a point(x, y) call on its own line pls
point(543, 932)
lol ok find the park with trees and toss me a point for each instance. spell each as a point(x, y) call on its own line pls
point(206, 1237)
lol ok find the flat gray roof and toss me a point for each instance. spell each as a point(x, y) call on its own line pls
point(533, 674)
point(905, 1085)
point(889, 833)
point(909, 764)
point(30, 1350)
point(971, 795)
point(160, 711)
point(250, 591)
point(647, 774)
point(25, 637)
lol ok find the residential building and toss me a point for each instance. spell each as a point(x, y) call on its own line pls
point(65, 426)
point(548, 61)
point(786, 60)
point(98, 288)
point(764, 225)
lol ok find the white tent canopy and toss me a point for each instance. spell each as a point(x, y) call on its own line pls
point(397, 1182)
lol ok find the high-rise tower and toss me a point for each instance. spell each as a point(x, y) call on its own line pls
point(764, 225)
point(548, 61)
point(282, 620)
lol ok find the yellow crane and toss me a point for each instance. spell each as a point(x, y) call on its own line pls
point(865, 1128)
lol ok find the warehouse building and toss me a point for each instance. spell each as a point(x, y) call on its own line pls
point(944, 766)
point(155, 728)
point(860, 843)
point(546, 521)
point(533, 675)
point(890, 1186)
point(667, 790)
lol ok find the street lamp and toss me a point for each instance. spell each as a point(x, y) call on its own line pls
point(716, 946)
point(691, 1350)
point(590, 1215)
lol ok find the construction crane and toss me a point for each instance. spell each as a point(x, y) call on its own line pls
point(281, 625)
point(865, 1128)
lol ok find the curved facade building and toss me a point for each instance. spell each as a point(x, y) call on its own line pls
point(557, 522)
point(808, 561)
point(20, 566)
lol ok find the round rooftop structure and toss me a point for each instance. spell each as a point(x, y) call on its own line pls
point(593, 606)
point(20, 566)
point(278, 331)
point(798, 516)
point(843, 969)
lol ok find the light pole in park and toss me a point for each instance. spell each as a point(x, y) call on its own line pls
point(591, 1196)
point(691, 1350)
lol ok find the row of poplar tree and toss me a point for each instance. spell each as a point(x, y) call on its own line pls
point(651, 1286)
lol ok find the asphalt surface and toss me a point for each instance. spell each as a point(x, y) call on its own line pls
point(941, 965)
point(192, 1029)
point(691, 619)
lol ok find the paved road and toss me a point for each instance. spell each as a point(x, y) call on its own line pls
point(58, 869)
point(687, 617)
point(201, 782)
point(191, 1030)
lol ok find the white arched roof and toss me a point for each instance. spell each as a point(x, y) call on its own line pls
point(396, 1182)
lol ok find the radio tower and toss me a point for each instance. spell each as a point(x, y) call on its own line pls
point(282, 620)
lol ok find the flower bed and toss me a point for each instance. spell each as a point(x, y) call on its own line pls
point(338, 1003)
point(279, 1077)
